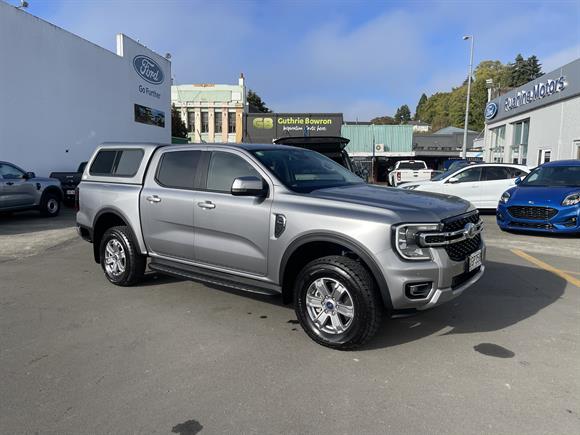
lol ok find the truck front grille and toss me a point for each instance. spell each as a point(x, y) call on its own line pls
point(532, 212)
point(461, 250)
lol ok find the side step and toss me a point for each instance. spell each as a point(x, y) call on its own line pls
point(213, 280)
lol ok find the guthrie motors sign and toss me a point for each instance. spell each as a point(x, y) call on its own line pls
point(535, 93)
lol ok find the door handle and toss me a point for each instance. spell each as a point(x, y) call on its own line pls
point(10, 183)
point(153, 198)
point(206, 205)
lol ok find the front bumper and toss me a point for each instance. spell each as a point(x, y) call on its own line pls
point(567, 220)
point(449, 278)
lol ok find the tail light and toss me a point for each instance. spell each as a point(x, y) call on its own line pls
point(77, 201)
point(398, 176)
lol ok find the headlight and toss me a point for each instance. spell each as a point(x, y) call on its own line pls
point(406, 240)
point(572, 199)
point(504, 197)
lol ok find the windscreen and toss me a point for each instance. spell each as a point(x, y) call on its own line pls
point(304, 171)
point(553, 176)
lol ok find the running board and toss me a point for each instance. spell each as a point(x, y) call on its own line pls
point(214, 280)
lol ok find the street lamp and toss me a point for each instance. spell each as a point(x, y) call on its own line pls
point(464, 150)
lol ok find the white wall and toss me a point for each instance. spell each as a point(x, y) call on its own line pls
point(62, 95)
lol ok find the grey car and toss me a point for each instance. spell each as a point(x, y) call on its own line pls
point(274, 219)
point(21, 190)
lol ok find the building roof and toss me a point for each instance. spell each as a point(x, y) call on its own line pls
point(452, 130)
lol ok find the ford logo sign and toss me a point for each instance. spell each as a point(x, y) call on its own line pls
point(490, 110)
point(470, 230)
point(148, 69)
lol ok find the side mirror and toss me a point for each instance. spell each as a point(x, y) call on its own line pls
point(248, 186)
point(29, 175)
point(453, 180)
point(518, 180)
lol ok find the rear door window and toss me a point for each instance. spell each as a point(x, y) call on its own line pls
point(177, 169)
point(117, 163)
point(492, 173)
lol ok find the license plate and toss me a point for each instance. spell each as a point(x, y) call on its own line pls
point(474, 261)
point(70, 192)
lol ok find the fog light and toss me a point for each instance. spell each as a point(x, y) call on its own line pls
point(418, 290)
point(571, 222)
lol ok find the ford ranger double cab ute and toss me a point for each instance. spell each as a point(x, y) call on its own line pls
point(275, 219)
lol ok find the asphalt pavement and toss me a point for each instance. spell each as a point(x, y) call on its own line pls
point(79, 355)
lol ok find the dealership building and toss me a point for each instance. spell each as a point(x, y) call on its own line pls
point(537, 122)
point(62, 95)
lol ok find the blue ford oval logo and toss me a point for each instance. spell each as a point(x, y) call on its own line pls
point(148, 69)
point(490, 110)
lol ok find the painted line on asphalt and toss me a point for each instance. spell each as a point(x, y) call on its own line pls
point(546, 266)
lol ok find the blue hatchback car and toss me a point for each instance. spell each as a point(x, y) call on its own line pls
point(547, 200)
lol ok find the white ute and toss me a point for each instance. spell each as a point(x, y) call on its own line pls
point(409, 170)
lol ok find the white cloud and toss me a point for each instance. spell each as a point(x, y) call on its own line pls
point(560, 58)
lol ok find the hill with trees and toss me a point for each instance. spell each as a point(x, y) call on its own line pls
point(444, 109)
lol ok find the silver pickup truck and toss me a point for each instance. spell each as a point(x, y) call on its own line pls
point(274, 219)
point(21, 191)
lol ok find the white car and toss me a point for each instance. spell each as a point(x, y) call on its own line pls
point(480, 184)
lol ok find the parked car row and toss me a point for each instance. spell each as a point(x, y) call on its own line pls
point(545, 199)
point(21, 190)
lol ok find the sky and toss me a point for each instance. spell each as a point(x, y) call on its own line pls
point(361, 58)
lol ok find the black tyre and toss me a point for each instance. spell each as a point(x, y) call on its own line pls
point(120, 258)
point(50, 205)
point(337, 303)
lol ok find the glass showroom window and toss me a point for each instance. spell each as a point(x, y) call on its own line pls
point(204, 122)
point(218, 122)
point(231, 122)
point(191, 122)
point(498, 142)
point(520, 143)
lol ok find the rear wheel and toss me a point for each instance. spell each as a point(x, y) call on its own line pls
point(120, 258)
point(50, 205)
point(337, 303)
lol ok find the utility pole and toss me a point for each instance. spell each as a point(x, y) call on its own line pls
point(464, 150)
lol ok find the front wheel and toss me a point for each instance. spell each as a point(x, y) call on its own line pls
point(337, 303)
point(120, 258)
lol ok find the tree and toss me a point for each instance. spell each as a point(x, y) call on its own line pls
point(256, 104)
point(420, 104)
point(178, 128)
point(524, 71)
point(403, 114)
point(534, 68)
point(383, 120)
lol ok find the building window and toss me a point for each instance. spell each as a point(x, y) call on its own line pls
point(204, 122)
point(497, 143)
point(218, 122)
point(520, 142)
point(232, 122)
point(191, 122)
